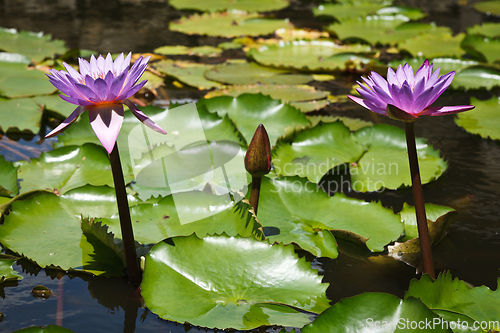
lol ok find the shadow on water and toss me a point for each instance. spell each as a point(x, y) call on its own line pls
point(471, 184)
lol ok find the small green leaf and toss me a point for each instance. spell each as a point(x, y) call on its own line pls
point(182, 282)
point(7, 273)
point(8, 178)
point(376, 313)
point(438, 215)
point(205, 50)
point(483, 120)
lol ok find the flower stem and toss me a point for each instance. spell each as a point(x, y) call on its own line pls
point(418, 197)
point(255, 193)
point(134, 273)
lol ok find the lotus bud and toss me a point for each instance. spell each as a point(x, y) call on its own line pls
point(258, 155)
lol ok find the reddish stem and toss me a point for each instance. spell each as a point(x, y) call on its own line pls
point(255, 192)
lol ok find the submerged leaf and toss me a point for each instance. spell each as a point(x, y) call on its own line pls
point(260, 285)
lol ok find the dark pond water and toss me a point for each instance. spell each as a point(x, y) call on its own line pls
point(471, 249)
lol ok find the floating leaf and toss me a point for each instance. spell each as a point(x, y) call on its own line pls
point(228, 25)
point(252, 73)
point(10, 109)
point(46, 329)
point(480, 303)
point(204, 50)
point(483, 48)
point(182, 282)
point(303, 97)
point(188, 72)
point(186, 213)
point(66, 168)
point(483, 120)
point(247, 111)
point(7, 273)
point(312, 55)
point(348, 11)
point(374, 29)
point(425, 45)
point(19, 81)
point(377, 313)
point(56, 104)
point(488, 7)
point(491, 30)
point(353, 124)
point(47, 229)
point(477, 77)
point(294, 210)
point(36, 46)
point(8, 178)
point(409, 12)
point(223, 5)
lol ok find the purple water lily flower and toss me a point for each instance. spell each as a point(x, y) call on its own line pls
point(102, 87)
point(406, 96)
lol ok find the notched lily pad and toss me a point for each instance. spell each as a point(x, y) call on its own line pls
point(483, 120)
point(10, 109)
point(491, 30)
point(182, 282)
point(7, 273)
point(484, 49)
point(425, 45)
point(190, 73)
point(477, 77)
point(228, 24)
point(8, 178)
point(19, 81)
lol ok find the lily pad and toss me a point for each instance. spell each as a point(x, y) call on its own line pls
point(294, 210)
point(8, 178)
point(188, 72)
point(488, 7)
point(477, 77)
point(491, 30)
point(247, 111)
point(377, 313)
point(310, 55)
point(46, 329)
point(10, 109)
point(303, 97)
point(180, 50)
point(182, 282)
point(453, 295)
point(56, 104)
point(186, 213)
point(252, 73)
point(7, 273)
point(228, 24)
point(66, 168)
point(47, 229)
point(374, 29)
point(425, 45)
point(222, 5)
point(483, 48)
point(483, 120)
point(36, 46)
point(348, 11)
point(353, 124)
point(19, 81)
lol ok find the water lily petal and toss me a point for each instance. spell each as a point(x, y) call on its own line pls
point(444, 110)
point(423, 100)
point(108, 64)
point(101, 89)
point(106, 121)
point(406, 97)
point(84, 67)
point(130, 92)
point(367, 104)
point(380, 82)
point(400, 76)
point(391, 77)
point(86, 93)
point(72, 117)
point(423, 72)
point(72, 71)
point(143, 118)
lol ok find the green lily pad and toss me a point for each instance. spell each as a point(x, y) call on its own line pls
point(252, 73)
point(10, 109)
point(36, 46)
point(477, 77)
point(66, 168)
point(376, 313)
point(377, 156)
point(47, 229)
point(56, 104)
point(373, 29)
point(483, 120)
point(19, 81)
point(222, 5)
point(485, 49)
point(247, 111)
point(190, 73)
point(347, 11)
point(488, 7)
point(228, 25)
point(303, 97)
point(182, 282)
point(491, 30)
point(425, 45)
point(7, 273)
point(409, 12)
point(294, 210)
point(186, 213)
point(385, 164)
point(310, 55)
point(14, 57)
point(204, 50)
point(46, 329)
point(353, 124)
point(8, 178)
point(445, 293)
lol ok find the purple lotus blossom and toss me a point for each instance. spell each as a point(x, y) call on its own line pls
point(406, 96)
point(102, 87)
